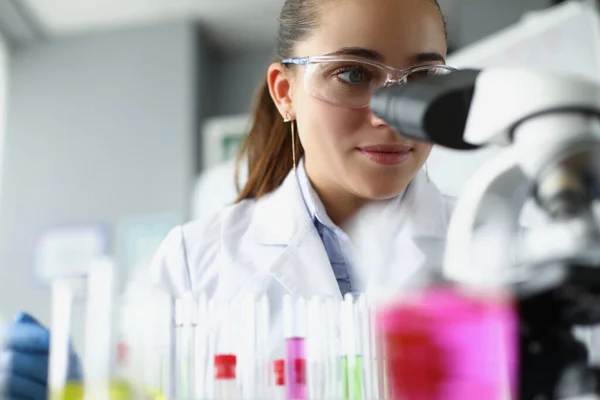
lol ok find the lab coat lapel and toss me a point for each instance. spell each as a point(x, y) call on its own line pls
point(402, 239)
point(287, 246)
point(427, 224)
point(284, 232)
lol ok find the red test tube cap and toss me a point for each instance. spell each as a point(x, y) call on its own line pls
point(225, 366)
point(279, 370)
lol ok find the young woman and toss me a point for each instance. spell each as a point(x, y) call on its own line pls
point(316, 155)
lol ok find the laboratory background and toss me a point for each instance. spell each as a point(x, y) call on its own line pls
point(119, 119)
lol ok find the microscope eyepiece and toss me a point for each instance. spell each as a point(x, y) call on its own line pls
point(432, 109)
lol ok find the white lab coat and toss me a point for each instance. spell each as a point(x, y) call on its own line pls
point(271, 246)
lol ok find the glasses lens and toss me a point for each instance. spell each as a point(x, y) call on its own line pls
point(344, 83)
point(425, 71)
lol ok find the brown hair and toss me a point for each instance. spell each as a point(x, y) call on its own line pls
point(268, 146)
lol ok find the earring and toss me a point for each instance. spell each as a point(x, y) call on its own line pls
point(427, 173)
point(293, 129)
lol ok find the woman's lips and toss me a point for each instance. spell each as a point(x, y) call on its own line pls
point(386, 154)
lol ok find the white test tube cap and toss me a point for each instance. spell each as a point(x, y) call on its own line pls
point(294, 317)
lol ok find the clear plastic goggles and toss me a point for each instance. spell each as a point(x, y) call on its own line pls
point(350, 81)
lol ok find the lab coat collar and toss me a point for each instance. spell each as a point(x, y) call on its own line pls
point(282, 213)
point(293, 252)
point(400, 242)
point(424, 208)
point(282, 227)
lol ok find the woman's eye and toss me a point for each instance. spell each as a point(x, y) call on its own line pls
point(353, 75)
point(415, 75)
point(425, 72)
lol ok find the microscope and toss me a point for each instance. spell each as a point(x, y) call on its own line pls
point(548, 128)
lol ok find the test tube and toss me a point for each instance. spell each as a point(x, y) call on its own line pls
point(247, 372)
point(377, 354)
point(333, 365)
point(201, 347)
point(279, 391)
point(150, 353)
point(225, 383)
point(213, 331)
point(99, 325)
point(178, 344)
point(294, 314)
point(363, 317)
point(351, 357)
point(184, 313)
point(262, 346)
point(62, 305)
point(105, 361)
point(314, 356)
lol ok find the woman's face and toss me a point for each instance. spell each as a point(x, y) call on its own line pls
point(343, 146)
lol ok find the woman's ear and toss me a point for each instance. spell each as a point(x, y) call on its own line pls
point(280, 87)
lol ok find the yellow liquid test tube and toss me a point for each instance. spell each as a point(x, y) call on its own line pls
point(119, 390)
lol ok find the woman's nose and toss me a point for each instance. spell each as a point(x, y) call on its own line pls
point(376, 121)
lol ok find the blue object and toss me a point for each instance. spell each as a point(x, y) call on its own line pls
point(24, 360)
point(337, 244)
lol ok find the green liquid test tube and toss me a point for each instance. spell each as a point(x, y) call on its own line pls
point(353, 377)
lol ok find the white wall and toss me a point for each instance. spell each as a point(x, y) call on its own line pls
point(3, 89)
point(100, 128)
point(471, 20)
point(3, 92)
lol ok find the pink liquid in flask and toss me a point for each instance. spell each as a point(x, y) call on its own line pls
point(449, 345)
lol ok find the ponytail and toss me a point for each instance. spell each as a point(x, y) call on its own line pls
point(267, 149)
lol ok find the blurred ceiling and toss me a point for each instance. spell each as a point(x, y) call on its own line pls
point(230, 23)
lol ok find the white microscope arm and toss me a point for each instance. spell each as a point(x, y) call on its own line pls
point(539, 117)
point(497, 192)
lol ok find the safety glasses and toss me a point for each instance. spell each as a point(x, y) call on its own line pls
point(350, 81)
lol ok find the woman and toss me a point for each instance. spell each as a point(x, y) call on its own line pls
point(316, 155)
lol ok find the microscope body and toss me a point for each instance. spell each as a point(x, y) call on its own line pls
point(562, 258)
point(550, 128)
